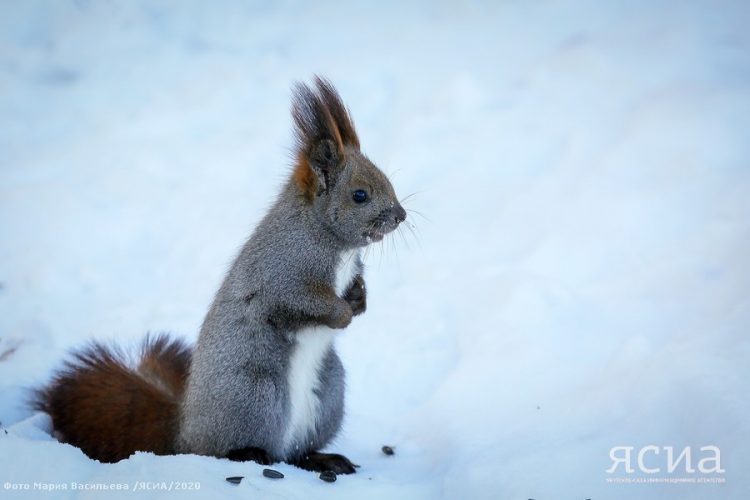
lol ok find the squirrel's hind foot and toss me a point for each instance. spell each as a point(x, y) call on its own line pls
point(319, 462)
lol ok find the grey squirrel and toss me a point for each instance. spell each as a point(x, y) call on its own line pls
point(264, 382)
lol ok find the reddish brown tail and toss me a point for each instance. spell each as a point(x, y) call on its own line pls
point(111, 410)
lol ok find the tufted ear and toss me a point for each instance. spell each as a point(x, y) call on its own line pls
point(338, 111)
point(322, 129)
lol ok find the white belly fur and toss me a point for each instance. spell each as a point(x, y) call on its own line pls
point(310, 349)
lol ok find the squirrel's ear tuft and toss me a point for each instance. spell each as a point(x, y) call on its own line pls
point(338, 111)
point(322, 129)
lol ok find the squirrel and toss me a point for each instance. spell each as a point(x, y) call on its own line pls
point(263, 382)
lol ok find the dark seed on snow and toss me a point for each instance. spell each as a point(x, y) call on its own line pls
point(387, 450)
point(273, 474)
point(328, 476)
point(235, 479)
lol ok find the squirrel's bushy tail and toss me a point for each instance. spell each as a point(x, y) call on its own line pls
point(110, 409)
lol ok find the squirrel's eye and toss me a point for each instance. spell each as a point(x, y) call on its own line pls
point(359, 196)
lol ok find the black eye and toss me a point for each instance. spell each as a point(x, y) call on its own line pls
point(359, 196)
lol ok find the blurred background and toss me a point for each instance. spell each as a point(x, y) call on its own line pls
point(577, 274)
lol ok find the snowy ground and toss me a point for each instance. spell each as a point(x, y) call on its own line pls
point(580, 280)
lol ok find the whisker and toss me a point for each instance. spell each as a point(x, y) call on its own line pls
point(380, 253)
point(400, 231)
point(395, 252)
point(412, 227)
point(403, 237)
point(415, 233)
point(409, 196)
point(367, 253)
point(369, 229)
point(417, 212)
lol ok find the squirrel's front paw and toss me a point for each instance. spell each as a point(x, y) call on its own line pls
point(356, 296)
point(341, 315)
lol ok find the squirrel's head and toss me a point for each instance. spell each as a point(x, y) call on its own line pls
point(347, 192)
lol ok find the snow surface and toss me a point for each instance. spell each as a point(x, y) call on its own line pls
point(580, 278)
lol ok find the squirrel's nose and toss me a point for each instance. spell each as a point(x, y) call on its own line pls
point(399, 214)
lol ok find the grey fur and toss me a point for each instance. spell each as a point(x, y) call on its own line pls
point(237, 394)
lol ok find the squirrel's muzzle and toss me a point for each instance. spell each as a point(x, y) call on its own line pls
point(399, 214)
point(386, 221)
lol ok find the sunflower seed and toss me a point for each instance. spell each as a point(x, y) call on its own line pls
point(273, 474)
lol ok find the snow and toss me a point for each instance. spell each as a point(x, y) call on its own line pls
point(579, 279)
